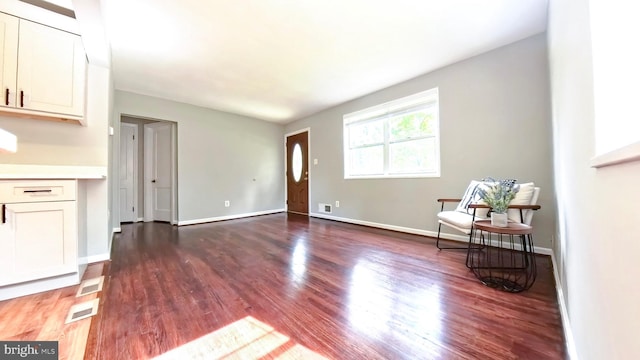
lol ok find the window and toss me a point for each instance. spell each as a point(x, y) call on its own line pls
point(396, 139)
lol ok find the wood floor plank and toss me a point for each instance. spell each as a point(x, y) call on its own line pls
point(325, 289)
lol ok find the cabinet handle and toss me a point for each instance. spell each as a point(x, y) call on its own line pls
point(4, 213)
point(37, 191)
point(6, 97)
point(21, 98)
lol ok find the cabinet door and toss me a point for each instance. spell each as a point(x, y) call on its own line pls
point(8, 59)
point(38, 240)
point(51, 70)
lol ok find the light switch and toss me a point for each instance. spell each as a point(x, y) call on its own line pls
point(315, 161)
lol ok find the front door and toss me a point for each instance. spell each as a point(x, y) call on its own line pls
point(158, 139)
point(298, 173)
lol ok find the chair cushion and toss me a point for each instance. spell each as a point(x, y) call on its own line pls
point(523, 197)
point(458, 218)
point(472, 196)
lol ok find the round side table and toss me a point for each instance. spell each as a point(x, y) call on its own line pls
point(502, 257)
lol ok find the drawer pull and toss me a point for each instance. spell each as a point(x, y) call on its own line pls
point(6, 97)
point(37, 191)
point(21, 98)
point(4, 213)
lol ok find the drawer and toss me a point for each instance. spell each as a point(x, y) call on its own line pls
point(23, 191)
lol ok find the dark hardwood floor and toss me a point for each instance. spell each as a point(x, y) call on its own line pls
point(286, 286)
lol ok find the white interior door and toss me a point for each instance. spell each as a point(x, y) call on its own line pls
point(128, 169)
point(158, 174)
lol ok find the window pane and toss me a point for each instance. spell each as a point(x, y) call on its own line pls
point(296, 162)
point(412, 125)
point(367, 161)
point(414, 156)
point(367, 133)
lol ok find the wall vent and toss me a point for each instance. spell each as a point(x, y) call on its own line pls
point(324, 208)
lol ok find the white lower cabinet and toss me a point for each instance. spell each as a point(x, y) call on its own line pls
point(38, 231)
point(38, 241)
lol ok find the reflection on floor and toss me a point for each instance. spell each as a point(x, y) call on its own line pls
point(247, 338)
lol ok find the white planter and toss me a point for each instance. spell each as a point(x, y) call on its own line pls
point(499, 220)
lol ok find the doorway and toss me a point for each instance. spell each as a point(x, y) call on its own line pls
point(297, 174)
point(152, 156)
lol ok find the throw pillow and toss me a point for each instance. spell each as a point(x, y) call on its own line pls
point(472, 196)
point(523, 197)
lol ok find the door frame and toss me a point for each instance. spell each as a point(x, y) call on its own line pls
point(308, 131)
point(136, 133)
point(148, 152)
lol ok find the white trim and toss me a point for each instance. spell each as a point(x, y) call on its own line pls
point(309, 163)
point(116, 230)
point(564, 313)
point(433, 234)
point(139, 219)
point(229, 217)
point(98, 258)
point(42, 16)
point(622, 155)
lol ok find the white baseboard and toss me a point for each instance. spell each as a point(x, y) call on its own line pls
point(117, 230)
point(36, 286)
point(564, 314)
point(228, 217)
point(98, 258)
point(461, 238)
point(139, 219)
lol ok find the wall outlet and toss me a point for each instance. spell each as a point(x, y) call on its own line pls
point(337, 203)
point(227, 203)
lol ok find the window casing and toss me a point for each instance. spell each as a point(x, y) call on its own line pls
point(397, 139)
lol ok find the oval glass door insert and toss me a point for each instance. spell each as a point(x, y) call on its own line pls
point(296, 162)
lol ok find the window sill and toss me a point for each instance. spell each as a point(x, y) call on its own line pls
point(408, 176)
point(622, 155)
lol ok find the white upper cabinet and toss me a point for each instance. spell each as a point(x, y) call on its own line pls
point(43, 70)
point(9, 58)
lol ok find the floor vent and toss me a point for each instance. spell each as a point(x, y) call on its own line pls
point(324, 208)
point(83, 310)
point(90, 286)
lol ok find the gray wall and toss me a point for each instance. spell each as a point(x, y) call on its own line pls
point(221, 156)
point(598, 242)
point(494, 121)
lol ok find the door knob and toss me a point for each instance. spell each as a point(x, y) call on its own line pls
point(153, 181)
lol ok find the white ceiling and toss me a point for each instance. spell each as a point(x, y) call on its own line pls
point(282, 60)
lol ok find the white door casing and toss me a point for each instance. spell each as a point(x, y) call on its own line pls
point(158, 171)
point(128, 171)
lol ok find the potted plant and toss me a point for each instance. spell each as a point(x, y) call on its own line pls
point(497, 195)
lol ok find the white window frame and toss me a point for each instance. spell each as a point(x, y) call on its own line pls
point(384, 112)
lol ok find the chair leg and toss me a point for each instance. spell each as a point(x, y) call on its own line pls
point(448, 247)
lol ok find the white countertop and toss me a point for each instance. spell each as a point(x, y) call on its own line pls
point(27, 171)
